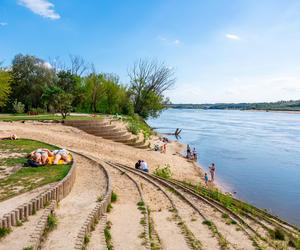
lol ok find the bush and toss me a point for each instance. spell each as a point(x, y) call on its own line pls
point(133, 128)
point(114, 197)
point(277, 234)
point(4, 232)
point(18, 107)
point(164, 172)
point(51, 222)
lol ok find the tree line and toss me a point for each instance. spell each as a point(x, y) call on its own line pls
point(32, 85)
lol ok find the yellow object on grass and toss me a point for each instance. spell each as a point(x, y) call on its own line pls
point(60, 162)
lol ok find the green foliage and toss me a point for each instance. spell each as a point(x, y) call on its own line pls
point(133, 128)
point(277, 234)
point(63, 103)
point(114, 197)
point(164, 172)
point(107, 235)
point(5, 89)
point(109, 208)
point(28, 248)
point(86, 239)
point(30, 76)
point(18, 107)
point(136, 125)
point(207, 222)
point(51, 222)
point(298, 244)
point(4, 232)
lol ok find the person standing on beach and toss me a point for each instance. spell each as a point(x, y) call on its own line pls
point(195, 157)
point(206, 179)
point(188, 152)
point(212, 170)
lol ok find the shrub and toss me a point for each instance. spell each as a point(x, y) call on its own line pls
point(114, 197)
point(133, 128)
point(4, 232)
point(164, 172)
point(51, 222)
point(207, 222)
point(277, 234)
point(18, 107)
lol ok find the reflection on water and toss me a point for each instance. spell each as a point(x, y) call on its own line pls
point(257, 153)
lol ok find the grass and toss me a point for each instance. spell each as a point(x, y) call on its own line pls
point(107, 235)
point(28, 248)
point(163, 171)
point(114, 197)
point(4, 232)
point(45, 117)
point(109, 208)
point(277, 234)
point(136, 125)
point(51, 222)
point(27, 178)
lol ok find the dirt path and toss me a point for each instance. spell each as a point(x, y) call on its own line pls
point(10, 204)
point(125, 216)
point(20, 236)
point(160, 208)
point(73, 210)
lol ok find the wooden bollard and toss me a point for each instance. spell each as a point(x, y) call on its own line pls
point(30, 208)
point(13, 219)
point(21, 213)
point(25, 207)
point(8, 220)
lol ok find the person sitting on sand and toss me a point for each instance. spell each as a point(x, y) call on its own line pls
point(40, 155)
point(61, 154)
point(11, 137)
point(144, 166)
point(206, 179)
point(212, 170)
point(138, 165)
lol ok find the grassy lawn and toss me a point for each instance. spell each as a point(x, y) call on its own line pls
point(26, 178)
point(45, 117)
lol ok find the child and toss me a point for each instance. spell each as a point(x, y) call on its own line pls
point(206, 179)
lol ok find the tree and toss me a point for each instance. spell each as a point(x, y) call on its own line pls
point(5, 89)
point(78, 65)
point(148, 82)
point(63, 103)
point(30, 77)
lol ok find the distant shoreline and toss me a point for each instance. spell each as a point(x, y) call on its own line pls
point(248, 110)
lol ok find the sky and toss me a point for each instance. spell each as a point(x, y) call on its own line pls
point(221, 51)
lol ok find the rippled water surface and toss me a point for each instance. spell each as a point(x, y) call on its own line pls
point(257, 154)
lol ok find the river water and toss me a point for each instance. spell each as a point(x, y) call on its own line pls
point(257, 154)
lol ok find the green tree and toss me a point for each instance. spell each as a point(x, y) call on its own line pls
point(148, 82)
point(5, 89)
point(30, 77)
point(63, 103)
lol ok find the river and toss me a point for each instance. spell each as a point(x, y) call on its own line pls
point(257, 154)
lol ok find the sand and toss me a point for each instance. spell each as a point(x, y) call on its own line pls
point(74, 209)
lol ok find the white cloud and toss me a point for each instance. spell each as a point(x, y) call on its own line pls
point(168, 41)
point(47, 65)
point(3, 23)
point(233, 37)
point(41, 7)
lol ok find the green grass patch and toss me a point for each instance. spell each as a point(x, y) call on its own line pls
point(136, 125)
point(163, 171)
point(277, 234)
point(51, 222)
point(46, 117)
point(107, 235)
point(4, 232)
point(27, 178)
point(114, 197)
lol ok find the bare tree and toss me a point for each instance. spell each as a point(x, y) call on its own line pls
point(57, 64)
point(148, 78)
point(78, 65)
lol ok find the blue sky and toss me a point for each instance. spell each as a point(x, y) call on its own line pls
point(222, 51)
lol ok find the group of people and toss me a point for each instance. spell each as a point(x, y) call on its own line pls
point(212, 171)
point(40, 157)
point(191, 155)
point(142, 165)
point(163, 147)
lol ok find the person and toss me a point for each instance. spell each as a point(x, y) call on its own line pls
point(164, 148)
point(11, 137)
point(195, 154)
point(40, 155)
point(156, 147)
point(212, 170)
point(188, 152)
point(60, 154)
point(144, 166)
point(138, 164)
point(206, 179)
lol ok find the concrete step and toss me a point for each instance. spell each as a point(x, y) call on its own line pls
point(110, 135)
point(100, 131)
point(86, 122)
